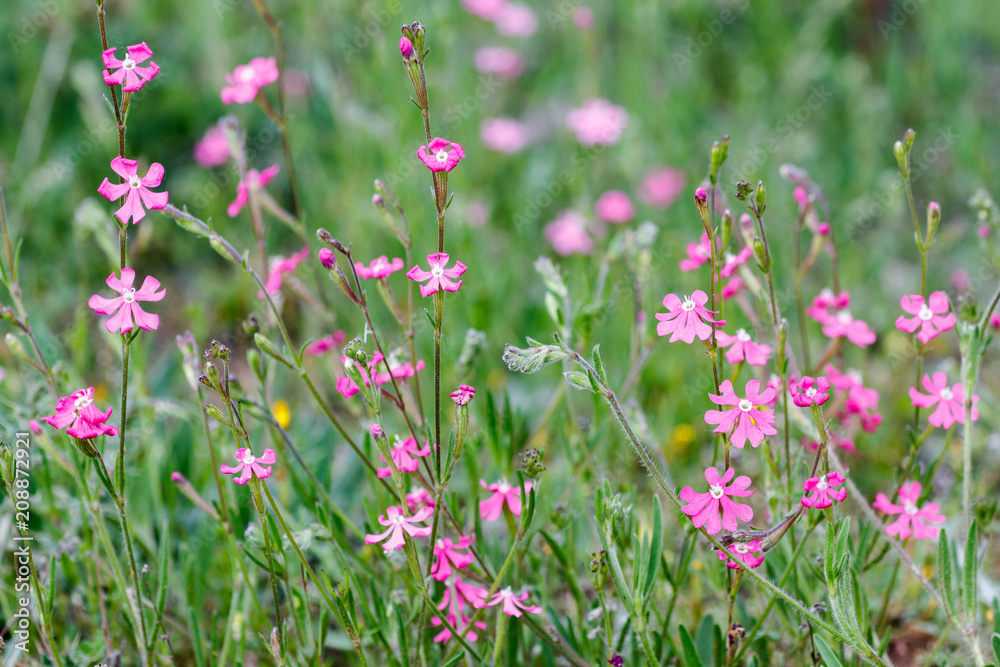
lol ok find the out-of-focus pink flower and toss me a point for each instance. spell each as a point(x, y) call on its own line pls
point(744, 553)
point(810, 391)
point(33, 425)
point(516, 20)
point(80, 417)
point(130, 76)
point(347, 387)
point(746, 418)
point(296, 83)
point(685, 320)
point(136, 190)
point(995, 321)
point(697, 254)
point(403, 454)
point(419, 497)
point(661, 186)
point(825, 302)
point(984, 231)
point(731, 262)
point(823, 229)
point(380, 267)
point(327, 258)
point(583, 18)
point(568, 234)
point(499, 60)
point(860, 400)
point(457, 596)
point(463, 395)
point(249, 465)
point(440, 154)
point(823, 492)
point(801, 196)
point(503, 493)
point(247, 80)
point(598, 121)
point(743, 348)
point(397, 525)
point(254, 179)
point(614, 206)
point(513, 604)
point(774, 384)
point(440, 278)
point(484, 9)
point(126, 308)
point(732, 287)
point(326, 343)
point(912, 520)
point(477, 213)
point(950, 401)
point(931, 317)
point(505, 135)
point(960, 280)
point(705, 508)
point(212, 149)
point(446, 556)
point(280, 267)
point(843, 325)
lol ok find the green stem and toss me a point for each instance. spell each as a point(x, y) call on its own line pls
point(255, 485)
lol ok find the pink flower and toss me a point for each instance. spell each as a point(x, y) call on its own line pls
point(499, 60)
point(932, 318)
point(484, 9)
point(398, 524)
point(513, 604)
point(135, 190)
point(505, 135)
point(950, 401)
point(614, 206)
point(126, 307)
point(687, 319)
point(247, 80)
point(326, 343)
point(326, 258)
point(280, 267)
point(254, 179)
point(347, 387)
point(844, 325)
point(809, 391)
point(744, 553)
point(440, 155)
point(446, 556)
point(746, 416)
point(583, 18)
point(35, 427)
point(732, 288)
point(704, 508)
point(212, 149)
point(743, 349)
point(405, 47)
point(516, 20)
point(861, 400)
point(440, 278)
point(995, 321)
point(824, 302)
point(697, 254)
point(912, 520)
point(568, 234)
point(400, 371)
point(731, 262)
point(492, 508)
point(402, 456)
point(418, 498)
point(250, 465)
point(464, 394)
point(661, 186)
point(457, 596)
point(774, 384)
point(378, 268)
point(823, 492)
point(598, 121)
point(78, 412)
point(129, 76)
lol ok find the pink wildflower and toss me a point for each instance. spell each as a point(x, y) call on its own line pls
point(745, 419)
point(212, 149)
point(440, 155)
point(995, 321)
point(254, 179)
point(136, 190)
point(810, 391)
point(130, 76)
point(280, 267)
point(503, 492)
point(912, 520)
point(418, 498)
point(932, 317)
point(326, 258)
point(247, 80)
point(249, 465)
point(513, 604)
point(80, 417)
point(731, 262)
point(614, 206)
point(463, 395)
point(397, 525)
point(440, 278)
point(400, 371)
point(685, 320)
point(402, 456)
point(844, 325)
point(446, 556)
point(484, 9)
point(774, 384)
point(568, 234)
point(35, 427)
point(697, 254)
point(744, 553)
point(516, 20)
point(505, 135)
point(378, 268)
point(704, 508)
point(126, 307)
point(823, 492)
point(860, 400)
point(598, 121)
point(661, 187)
point(457, 596)
point(583, 18)
point(950, 401)
point(743, 348)
point(732, 288)
point(326, 343)
point(499, 60)
point(826, 300)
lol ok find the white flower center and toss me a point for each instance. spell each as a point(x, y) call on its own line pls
point(845, 316)
point(129, 294)
point(741, 548)
point(855, 375)
point(133, 180)
point(249, 458)
point(399, 519)
point(503, 487)
point(743, 336)
point(437, 271)
point(440, 544)
point(82, 402)
point(925, 313)
point(716, 491)
point(810, 392)
point(688, 304)
point(745, 405)
point(128, 63)
point(947, 394)
point(247, 74)
point(441, 155)
point(507, 592)
point(822, 483)
point(909, 508)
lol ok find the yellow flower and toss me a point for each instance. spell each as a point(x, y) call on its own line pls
point(281, 413)
point(682, 437)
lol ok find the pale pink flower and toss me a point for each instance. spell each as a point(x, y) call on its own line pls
point(126, 308)
point(685, 320)
point(254, 179)
point(932, 317)
point(457, 596)
point(136, 190)
point(419, 498)
point(33, 425)
point(212, 149)
point(744, 553)
point(80, 417)
point(446, 556)
point(950, 401)
point(516, 20)
point(247, 80)
point(459, 622)
point(705, 508)
point(733, 287)
point(499, 60)
point(912, 520)
point(743, 348)
point(281, 267)
point(397, 525)
point(697, 254)
point(598, 121)
point(513, 604)
point(463, 395)
point(843, 325)
point(661, 186)
point(403, 454)
point(731, 262)
point(774, 384)
point(826, 301)
point(484, 9)
point(746, 419)
point(440, 154)
point(505, 135)
point(583, 18)
point(503, 492)
point(326, 343)
point(568, 234)
point(860, 400)
point(810, 391)
point(130, 76)
point(960, 280)
point(380, 267)
point(614, 206)
point(439, 277)
point(248, 465)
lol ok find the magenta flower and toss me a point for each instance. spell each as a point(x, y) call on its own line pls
point(503, 492)
point(459, 595)
point(463, 395)
point(685, 320)
point(405, 48)
point(80, 417)
point(418, 498)
point(247, 80)
point(911, 520)
point(378, 268)
point(826, 301)
point(402, 456)
point(440, 155)
point(614, 207)
point(732, 288)
point(254, 179)
point(326, 343)
point(281, 267)
point(516, 20)
point(697, 254)
point(347, 387)
point(504, 135)
point(743, 349)
point(860, 400)
point(513, 604)
point(484, 9)
point(823, 492)
point(397, 525)
point(439, 277)
point(932, 317)
point(950, 401)
point(326, 258)
point(746, 416)
point(212, 149)
point(704, 508)
point(731, 262)
point(744, 553)
point(400, 371)
point(661, 187)
point(568, 234)
point(810, 391)
point(135, 190)
point(843, 325)
point(249, 465)
point(446, 556)
point(499, 60)
point(126, 307)
point(597, 122)
point(130, 76)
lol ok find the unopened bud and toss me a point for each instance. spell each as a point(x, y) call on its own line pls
point(327, 258)
point(276, 643)
point(324, 236)
point(701, 201)
point(823, 229)
point(761, 197)
point(256, 363)
point(185, 487)
point(746, 228)
point(933, 219)
point(902, 158)
point(226, 251)
point(405, 48)
point(251, 325)
point(268, 348)
point(216, 414)
point(14, 343)
point(760, 252)
point(908, 139)
point(551, 277)
point(210, 377)
point(717, 155)
point(727, 227)
point(376, 431)
point(35, 427)
point(7, 313)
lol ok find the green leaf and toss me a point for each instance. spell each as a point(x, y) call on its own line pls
point(969, 590)
point(946, 576)
point(599, 364)
point(691, 658)
point(995, 641)
point(830, 658)
point(655, 549)
point(578, 380)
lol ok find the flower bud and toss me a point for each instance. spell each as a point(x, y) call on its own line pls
point(250, 325)
point(184, 486)
point(256, 363)
point(276, 644)
point(461, 429)
point(210, 378)
point(324, 236)
point(7, 313)
point(86, 447)
point(746, 228)
point(226, 251)
point(531, 463)
point(823, 229)
point(268, 348)
point(760, 197)
point(760, 252)
point(701, 201)
point(532, 359)
point(35, 427)
point(933, 219)
point(902, 158)
point(216, 414)
point(327, 258)
point(908, 138)
point(727, 227)
point(14, 343)
point(717, 155)
point(549, 272)
point(471, 349)
point(376, 431)
point(378, 201)
point(405, 48)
